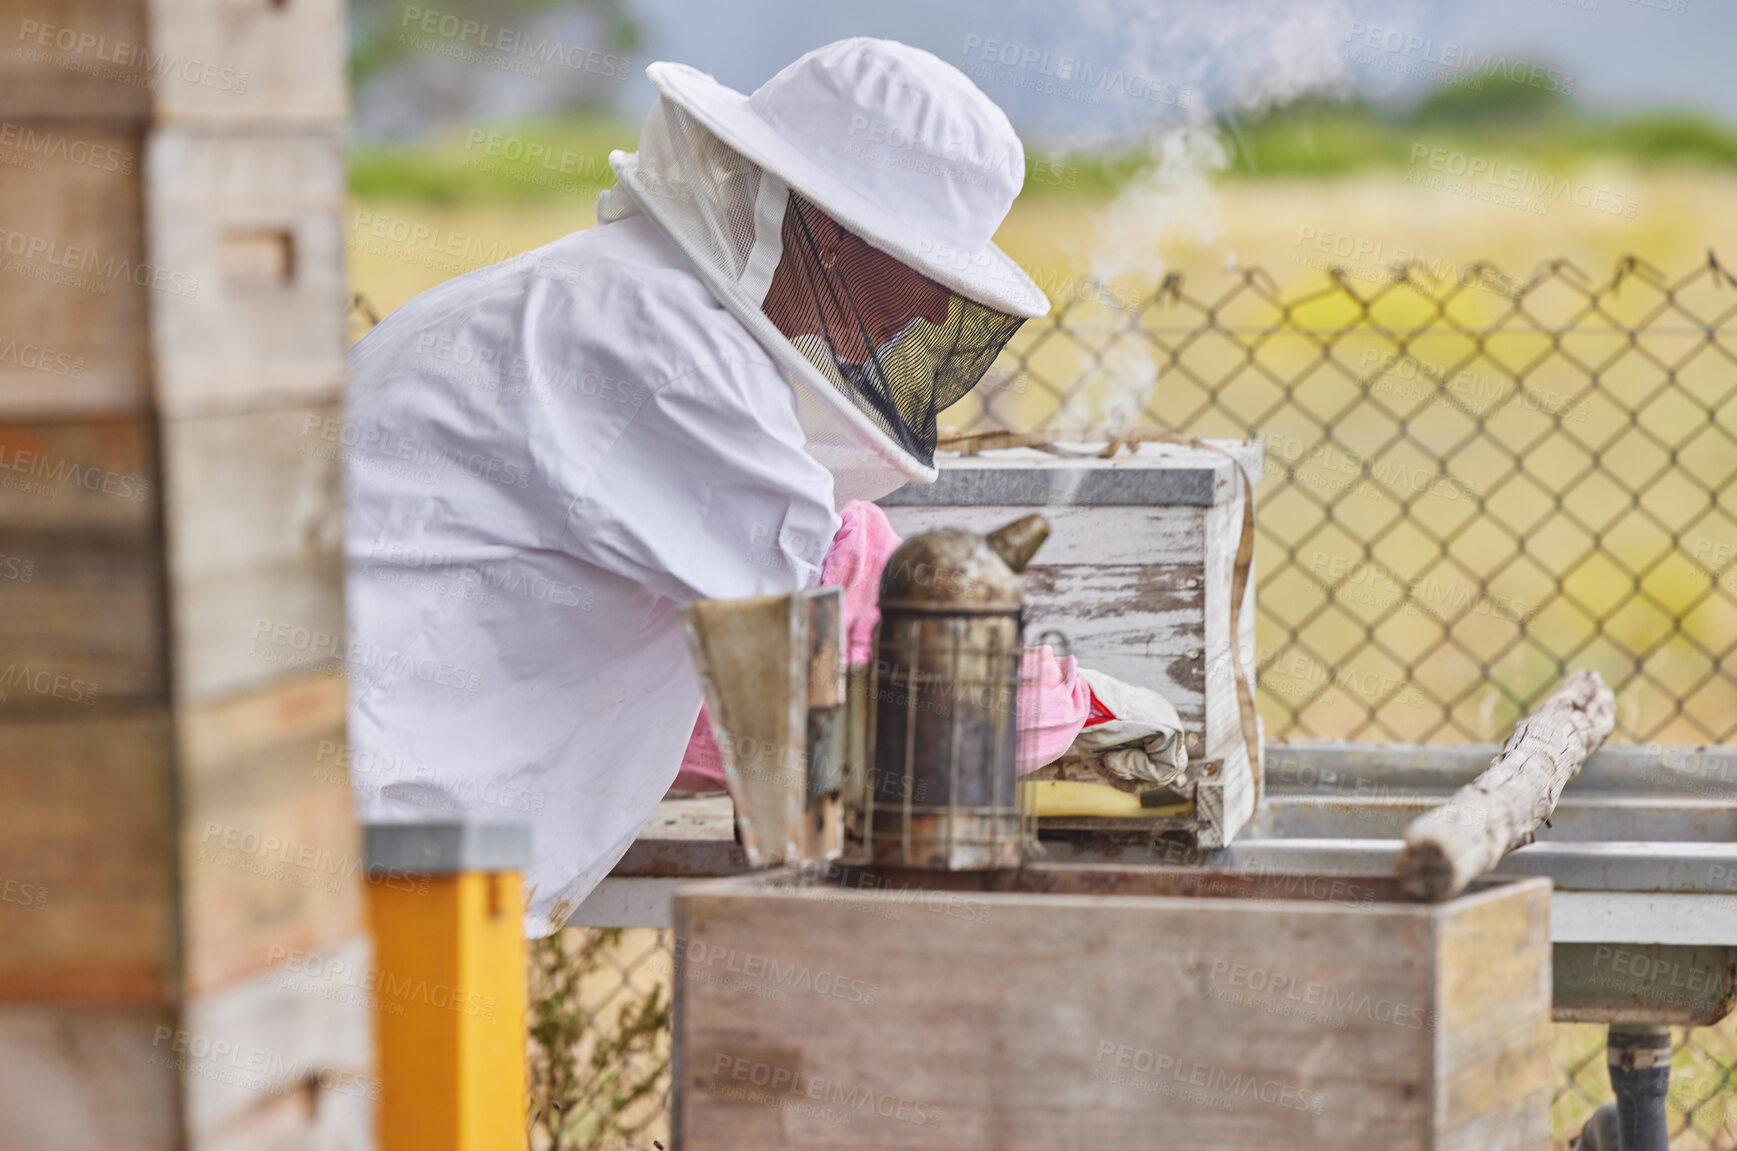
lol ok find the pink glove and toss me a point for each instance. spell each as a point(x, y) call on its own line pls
point(1053, 704)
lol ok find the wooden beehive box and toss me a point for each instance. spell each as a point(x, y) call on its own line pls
point(1090, 1007)
point(172, 175)
point(1136, 575)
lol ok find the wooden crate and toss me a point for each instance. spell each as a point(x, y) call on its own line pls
point(1066, 1006)
point(256, 220)
point(1136, 575)
point(258, 504)
point(87, 910)
point(74, 280)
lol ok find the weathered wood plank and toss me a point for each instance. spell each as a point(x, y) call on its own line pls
point(74, 281)
point(80, 620)
point(1078, 535)
point(257, 63)
point(1152, 474)
point(86, 826)
point(271, 857)
point(81, 59)
point(96, 475)
point(260, 331)
point(85, 1080)
point(257, 541)
point(306, 1017)
point(1492, 1035)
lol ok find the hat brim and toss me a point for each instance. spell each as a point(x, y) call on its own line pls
point(988, 276)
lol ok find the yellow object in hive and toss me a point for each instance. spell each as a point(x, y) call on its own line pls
point(1050, 798)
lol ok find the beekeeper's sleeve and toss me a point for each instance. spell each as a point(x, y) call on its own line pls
point(707, 493)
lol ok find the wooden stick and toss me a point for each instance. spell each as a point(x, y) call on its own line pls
point(1449, 846)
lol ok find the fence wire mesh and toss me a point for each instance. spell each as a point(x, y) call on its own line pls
point(1470, 488)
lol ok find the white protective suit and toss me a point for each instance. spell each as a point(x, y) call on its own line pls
point(548, 457)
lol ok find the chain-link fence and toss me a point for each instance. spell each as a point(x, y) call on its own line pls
point(1702, 1106)
point(1470, 488)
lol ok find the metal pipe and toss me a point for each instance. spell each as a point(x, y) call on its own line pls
point(1640, 1076)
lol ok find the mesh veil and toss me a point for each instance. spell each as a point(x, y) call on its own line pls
point(838, 314)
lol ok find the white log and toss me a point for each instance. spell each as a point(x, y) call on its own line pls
point(1448, 847)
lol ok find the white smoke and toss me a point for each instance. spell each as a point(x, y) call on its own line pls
point(1230, 60)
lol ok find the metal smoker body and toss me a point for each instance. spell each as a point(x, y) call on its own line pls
point(941, 790)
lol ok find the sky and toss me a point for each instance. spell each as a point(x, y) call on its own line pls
point(1230, 55)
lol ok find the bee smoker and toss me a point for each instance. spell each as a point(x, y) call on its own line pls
point(943, 695)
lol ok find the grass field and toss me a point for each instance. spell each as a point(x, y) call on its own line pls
point(1291, 228)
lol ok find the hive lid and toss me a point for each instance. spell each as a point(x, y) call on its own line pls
point(1151, 475)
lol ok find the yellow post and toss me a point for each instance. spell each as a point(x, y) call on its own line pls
point(446, 911)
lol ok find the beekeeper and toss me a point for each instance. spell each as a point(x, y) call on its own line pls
point(548, 457)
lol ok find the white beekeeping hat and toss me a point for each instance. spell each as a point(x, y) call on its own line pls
point(844, 213)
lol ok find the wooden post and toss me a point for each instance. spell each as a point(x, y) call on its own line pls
point(447, 908)
point(1455, 843)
